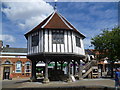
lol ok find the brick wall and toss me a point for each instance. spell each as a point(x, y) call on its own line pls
point(13, 66)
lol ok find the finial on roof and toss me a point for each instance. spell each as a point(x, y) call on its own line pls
point(55, 7)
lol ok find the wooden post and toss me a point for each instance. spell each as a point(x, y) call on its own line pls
point(55, 65)
point(101, 69)
point(62, 65)
point(33, 78)
point(69, 77)
point(46, 80)
point(79, 70)
point(74, 68)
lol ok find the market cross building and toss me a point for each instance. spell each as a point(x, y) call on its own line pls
point(55, 40)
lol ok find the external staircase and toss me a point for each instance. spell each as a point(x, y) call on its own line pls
point(91, 69)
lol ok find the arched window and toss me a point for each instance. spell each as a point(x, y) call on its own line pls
point(7, 62)
point(18, 66)
point(27, 67)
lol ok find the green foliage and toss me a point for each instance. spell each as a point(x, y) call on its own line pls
point(108, 43)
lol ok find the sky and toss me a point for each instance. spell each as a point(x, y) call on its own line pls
point(90, 18)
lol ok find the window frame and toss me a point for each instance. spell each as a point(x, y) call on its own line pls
point(26, 64)
point(18, 62)
point(78, 41)
point(58, 37)
point(35, 40)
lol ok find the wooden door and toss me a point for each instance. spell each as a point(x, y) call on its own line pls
point(6, 73)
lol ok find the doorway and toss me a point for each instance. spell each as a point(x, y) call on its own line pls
point(6, 73)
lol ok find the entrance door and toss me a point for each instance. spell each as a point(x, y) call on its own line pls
point(6, 72)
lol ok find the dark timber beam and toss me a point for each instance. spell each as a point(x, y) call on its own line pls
point(55, 65)
point(61, 65)
point(68, 72)
point(74, 67)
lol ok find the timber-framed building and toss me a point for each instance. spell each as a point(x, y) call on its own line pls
point(55, 40)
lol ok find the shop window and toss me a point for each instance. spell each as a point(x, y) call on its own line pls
point(27, 67)
point(57, 37)
point(18, 67)
point(78, 42)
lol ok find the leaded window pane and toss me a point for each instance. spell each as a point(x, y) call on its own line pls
point(78, 42)
point(18, 66)
point(58, 37)
point(35, 40)
point(27, 67)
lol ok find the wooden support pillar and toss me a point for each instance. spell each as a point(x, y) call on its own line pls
point(55, 65)
point(46, 80)
point(62, 65)
point(74, 68)
point(33, 77)
point(68, 72)
point(101, 69)
point(79, 70)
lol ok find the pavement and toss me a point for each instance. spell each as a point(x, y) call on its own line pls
point(25, 83)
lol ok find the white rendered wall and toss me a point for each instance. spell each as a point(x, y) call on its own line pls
point(45, 43)
point(76, 49)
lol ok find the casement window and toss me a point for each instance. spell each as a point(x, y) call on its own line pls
point(18, 67)
point(78, 42)
point(35, 40)
point(27, 67)
point(57, 37)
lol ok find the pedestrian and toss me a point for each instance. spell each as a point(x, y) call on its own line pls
point(117, 78)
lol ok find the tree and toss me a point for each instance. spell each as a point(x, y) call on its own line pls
point(108, 45)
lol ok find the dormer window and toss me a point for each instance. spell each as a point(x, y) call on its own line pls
point(35, 40)
point(78, 42)
point(57, 37)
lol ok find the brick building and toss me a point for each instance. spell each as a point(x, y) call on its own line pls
point(14, 63)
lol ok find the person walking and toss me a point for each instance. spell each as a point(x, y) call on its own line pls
point(117, 78)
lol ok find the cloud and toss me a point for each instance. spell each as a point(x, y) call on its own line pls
point(89, 18)
point(87, 41)
point(93, 18)
point(27, 14)
point(7, 38)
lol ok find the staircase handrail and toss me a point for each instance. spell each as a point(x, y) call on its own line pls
point(90, 70)
point(89, 65)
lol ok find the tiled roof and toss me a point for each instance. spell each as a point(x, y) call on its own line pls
point(14, 50)
point(55, 21)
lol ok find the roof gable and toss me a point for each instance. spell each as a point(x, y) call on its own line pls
point(55, 21)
